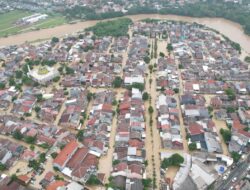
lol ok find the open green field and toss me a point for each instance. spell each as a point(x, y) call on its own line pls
point(8, 20)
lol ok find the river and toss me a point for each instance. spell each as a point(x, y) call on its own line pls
point(230, 29)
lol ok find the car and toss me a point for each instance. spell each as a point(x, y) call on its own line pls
point(234, 179)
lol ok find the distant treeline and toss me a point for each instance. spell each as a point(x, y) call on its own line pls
point(230, 11)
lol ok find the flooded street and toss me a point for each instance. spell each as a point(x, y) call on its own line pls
point(232, 30)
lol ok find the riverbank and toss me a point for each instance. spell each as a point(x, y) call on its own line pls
point(228, 28)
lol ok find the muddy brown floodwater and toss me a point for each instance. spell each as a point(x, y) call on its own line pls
point(232, 30)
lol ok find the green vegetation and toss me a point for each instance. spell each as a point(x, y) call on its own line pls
point(192, 146)
point(236, 156)
point(34, 164)
point(42, 157)
point(115, 162)
point(45, 145)
point(247, 59)
point(231, 109)
point(2, 85)
point(145, 96)
point(117, 83)
point(2, 167)
point(176, 90)
point(8, 20)
point(30, 140)
point(170, 48)
point(174, 160)
point(230, 93)
point(93, 180)
point(55, 40)
point(147, 59)
point(80, 135)
point(54, 155)
point(114, 28)
point(147, 183)
point(17, 135)
point(150, 109)
point(69, 71)
point(226, 135)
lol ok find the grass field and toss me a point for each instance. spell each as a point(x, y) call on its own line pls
point(8, 20)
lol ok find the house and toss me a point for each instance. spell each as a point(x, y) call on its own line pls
point(65, 155)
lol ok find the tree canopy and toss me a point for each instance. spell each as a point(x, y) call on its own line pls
point(174, 160)
point(114, 28)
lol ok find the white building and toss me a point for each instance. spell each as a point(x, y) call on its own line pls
point(43, 75)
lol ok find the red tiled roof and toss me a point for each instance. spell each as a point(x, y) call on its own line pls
point(62, 157)
point(54, 185)
point(195, 129)
point(78, 157)
point(121, 166)
point(107, 107)
point(49, 175)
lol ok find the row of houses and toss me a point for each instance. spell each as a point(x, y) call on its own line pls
point(129, 153)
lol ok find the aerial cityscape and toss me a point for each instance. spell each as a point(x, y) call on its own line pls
point(124, 95)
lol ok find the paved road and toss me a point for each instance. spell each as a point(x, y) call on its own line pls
point(238, 172)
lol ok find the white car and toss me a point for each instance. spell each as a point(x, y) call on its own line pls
point(234, 179)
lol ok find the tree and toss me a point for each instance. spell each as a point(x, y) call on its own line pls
point(54, 155)
point(180, 66)
point(114, 102)
point(150, 109)
point(26, 80)
point(55, 40)
point(230, 93)
point(2, 167)
point(56, 79)
point(12, 82)
point(80, 135)
point(139, 86)
point(192, 146)
point(115, 162)
point(30, 140)
point(42, 157)
point(162, 54)
point(226, 135)
point(19, 74)
point(151, 67)
point(236, 156)
point(89, 96)
point(2, 85)
point(32, 147)
point(170, 48)
point(93, 180)
point(174, 160)
point(147, 59)
point(69, 71)
point(39, 97)
point(247, 59)
point(176, 90)
point(145, 96)
point(117, 82)
point(147, 182)
point(37, 109)
point(230, 109)
point(17, 135)
point(34, 164)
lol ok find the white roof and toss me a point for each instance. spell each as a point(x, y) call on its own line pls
point(196, 87)
point(131, 150)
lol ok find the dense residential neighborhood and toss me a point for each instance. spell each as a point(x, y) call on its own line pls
point(163, 105)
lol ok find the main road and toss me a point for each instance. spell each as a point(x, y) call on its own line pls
point(232, 30)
